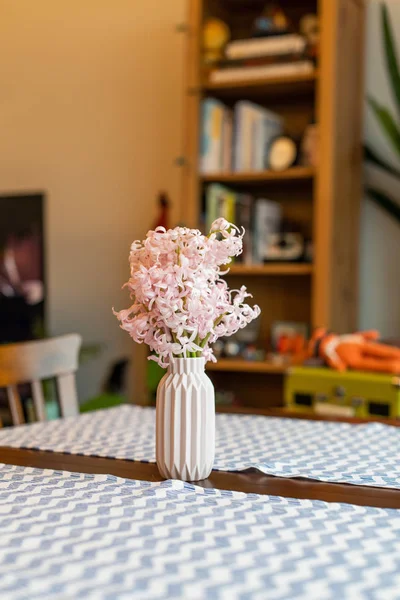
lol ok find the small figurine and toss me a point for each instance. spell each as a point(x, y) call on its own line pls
point(272, 21)
point(216, 35)
point(358, 351)
point(163, 214)
point(309, 27)
point(285, 246)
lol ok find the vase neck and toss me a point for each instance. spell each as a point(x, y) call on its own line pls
point(186, 365)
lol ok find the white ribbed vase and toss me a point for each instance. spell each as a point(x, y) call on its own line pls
point(185, 421)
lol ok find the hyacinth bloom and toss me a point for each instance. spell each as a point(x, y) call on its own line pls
point(180, 303)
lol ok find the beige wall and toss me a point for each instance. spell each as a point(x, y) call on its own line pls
point(380, 234)
point(90, 108)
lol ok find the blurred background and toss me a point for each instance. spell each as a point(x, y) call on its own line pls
point(103, 111)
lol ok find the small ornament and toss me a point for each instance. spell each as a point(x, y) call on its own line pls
point(283, 247)
point(216, 35)
point(310, 146)
point(309, 27)
point(231, 348)
point(272, 21)
point(282, 153)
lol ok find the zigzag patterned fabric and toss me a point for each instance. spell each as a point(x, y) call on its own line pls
point(327, 451)
point(69, 536)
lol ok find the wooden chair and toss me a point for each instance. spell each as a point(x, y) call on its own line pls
point(31, 362)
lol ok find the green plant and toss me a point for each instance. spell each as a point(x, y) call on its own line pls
point(387, 121)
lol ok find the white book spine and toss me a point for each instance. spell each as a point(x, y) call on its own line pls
point(243, 138)
point(273, 46)
point(258, 142)
point(231, 75)
point(255, 126)
point(227, 141)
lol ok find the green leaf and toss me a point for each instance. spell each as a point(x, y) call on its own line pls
point(387, 123)
point(372, 157)
point(385, 202)
point(391, 54)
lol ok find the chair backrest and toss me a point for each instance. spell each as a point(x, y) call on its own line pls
point(31, 362)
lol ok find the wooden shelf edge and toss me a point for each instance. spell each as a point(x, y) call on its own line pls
point(272, 269)
point(259, 176)
point(246, 366)
point(297, 78)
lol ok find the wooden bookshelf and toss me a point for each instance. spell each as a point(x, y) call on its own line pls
point(246, 366)
point(295, 173)
point(324, 200)
point(272, 269)
point(302, 83)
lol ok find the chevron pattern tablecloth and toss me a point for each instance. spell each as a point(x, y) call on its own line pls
point(327, 451)
point(69, 535)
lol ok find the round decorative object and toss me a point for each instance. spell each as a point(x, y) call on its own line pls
point(185, 421)
point(216, 34)
point(282, 153)
point(231, 348)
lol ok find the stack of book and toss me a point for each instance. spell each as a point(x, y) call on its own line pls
point(238, 139)
point(261, 218)
point(263, 58)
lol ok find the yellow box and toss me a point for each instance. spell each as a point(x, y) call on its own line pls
point(353, 393)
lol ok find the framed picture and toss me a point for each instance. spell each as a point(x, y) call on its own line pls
point(22, 273)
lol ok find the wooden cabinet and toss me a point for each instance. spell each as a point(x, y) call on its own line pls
point(325, 199)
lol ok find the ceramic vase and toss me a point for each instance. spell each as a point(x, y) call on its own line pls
point(185, 421)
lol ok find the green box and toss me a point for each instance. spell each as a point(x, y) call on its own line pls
point(353, 393)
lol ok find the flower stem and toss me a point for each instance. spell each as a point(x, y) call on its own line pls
point(216, 322)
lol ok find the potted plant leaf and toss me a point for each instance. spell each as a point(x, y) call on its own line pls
point(389, 123)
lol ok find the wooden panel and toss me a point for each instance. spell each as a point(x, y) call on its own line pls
point(249, 481)
point(280, 299)
point(190, 208)
point(348, 165)
point(297, 85)
point(255, 390)
point(297, 112)
point(338, 182)
point(14, 402)
point(260, 176)
point(272, 269)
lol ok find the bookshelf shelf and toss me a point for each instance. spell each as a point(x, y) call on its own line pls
point(271, 86)
point(272, 269)
point(295, 173)
point(246, 366)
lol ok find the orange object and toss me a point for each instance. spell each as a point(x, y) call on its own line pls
point(290, 344)
point(358, 351)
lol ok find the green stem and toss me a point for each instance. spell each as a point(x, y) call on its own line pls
point(216, 322)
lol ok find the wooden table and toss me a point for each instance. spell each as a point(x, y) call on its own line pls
point(245, 481)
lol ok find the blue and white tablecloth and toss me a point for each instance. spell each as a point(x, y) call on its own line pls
point(69, 535)
point(367, 454)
